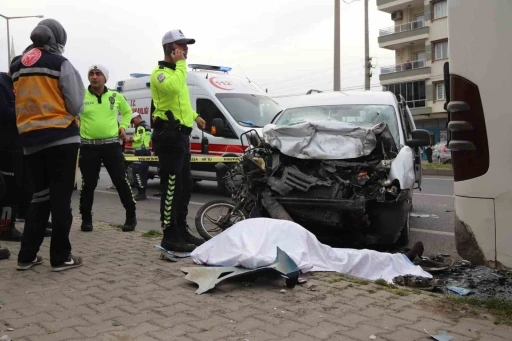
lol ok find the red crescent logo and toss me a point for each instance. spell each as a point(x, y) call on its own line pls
point(222, 83)
point(31, 57)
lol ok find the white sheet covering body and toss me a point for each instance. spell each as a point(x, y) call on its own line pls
point(253, 243)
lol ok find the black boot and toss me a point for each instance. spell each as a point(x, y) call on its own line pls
point(131, 222)
point(11, 235)
point(184, 231)
point(172, 241)
point(87, 222)
point(141, 195)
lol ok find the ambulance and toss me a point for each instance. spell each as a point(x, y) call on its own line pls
point(230, 105)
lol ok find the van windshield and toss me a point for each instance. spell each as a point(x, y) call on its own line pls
point(363, 115)
point(250, 110)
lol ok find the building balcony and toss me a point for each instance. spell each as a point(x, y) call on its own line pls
point(390, 6)
point(408, 69)
point(400, 36)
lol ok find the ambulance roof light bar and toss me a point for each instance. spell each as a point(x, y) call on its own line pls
point(139, 75)
point(210, 67)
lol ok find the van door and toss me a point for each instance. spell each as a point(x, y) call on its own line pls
point(410, 126)
point(220, 143)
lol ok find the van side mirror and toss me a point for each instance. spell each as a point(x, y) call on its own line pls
point(420, 138)
point(217, 127)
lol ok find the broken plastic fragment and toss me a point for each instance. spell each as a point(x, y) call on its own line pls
point(442, 336)
point(460, 291)
point(206, 278)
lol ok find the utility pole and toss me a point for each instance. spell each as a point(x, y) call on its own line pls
point(337, 46)
point(367, 60)
point(9, 34)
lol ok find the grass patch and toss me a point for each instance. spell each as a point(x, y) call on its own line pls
point(342, 277)
point(435, 165)
point(383, 283)
point(457, 306)
point(152, 234)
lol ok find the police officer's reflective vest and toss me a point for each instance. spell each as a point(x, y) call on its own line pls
point(142, 136)
point(169, 92)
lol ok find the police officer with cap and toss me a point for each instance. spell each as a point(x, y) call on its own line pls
point(140, 144)
point(174, 119)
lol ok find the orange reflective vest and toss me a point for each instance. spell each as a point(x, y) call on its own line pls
point(39, 100)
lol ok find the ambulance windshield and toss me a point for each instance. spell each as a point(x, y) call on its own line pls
point(250, 110)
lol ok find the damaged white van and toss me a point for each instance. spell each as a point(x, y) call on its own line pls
point(352, 160)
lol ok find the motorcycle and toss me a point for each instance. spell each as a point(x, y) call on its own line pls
point(246, 182)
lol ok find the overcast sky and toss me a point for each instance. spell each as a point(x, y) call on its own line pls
point(283, 45)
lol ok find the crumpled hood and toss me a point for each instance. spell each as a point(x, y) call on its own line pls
point(326, 140)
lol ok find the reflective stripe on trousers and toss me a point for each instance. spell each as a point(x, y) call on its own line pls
point(169, 197)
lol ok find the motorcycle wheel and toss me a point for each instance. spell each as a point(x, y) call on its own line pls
point(202, 218)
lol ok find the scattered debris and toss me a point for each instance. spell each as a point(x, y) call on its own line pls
point(5, 338)
point(373, 337)
point(116, 324)
point(10, 329)
point(208, 277)
point(170, 255)
point(460, 291)
point(302, 280)
point(420, 215)
point(283, 291)
point(417, 282)
point(442, 336)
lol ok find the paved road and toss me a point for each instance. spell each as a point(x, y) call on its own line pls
point(432, 220)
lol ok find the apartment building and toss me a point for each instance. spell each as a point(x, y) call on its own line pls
point(420, 41)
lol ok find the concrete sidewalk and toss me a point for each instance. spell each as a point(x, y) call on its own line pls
point(124, 292)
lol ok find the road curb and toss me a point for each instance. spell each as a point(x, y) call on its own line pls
point(442, 172)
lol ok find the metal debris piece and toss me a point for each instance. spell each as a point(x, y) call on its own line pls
point(207, 277)
point(460, 291)
point(170, 255)
point(442, 336)
point(417, 282)
point(302, 280)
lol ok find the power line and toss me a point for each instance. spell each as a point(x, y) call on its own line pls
point(329, 90)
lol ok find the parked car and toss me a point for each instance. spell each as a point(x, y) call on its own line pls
point(441, 153)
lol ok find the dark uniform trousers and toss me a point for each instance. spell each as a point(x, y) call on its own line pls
point(176, 182)
point(91, 157)
point(141, 169)
point(11, 165)
point(53, 177)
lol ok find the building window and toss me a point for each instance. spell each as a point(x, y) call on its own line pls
point(413, 92)
point(440, 92)
point(440, 9)
point(441, 50)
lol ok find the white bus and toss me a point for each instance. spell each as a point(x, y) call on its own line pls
point(478, 80)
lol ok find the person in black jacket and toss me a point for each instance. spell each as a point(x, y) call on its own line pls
point(10, 156)
point(18, 189)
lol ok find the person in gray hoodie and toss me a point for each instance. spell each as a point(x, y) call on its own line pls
point(49, 99)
